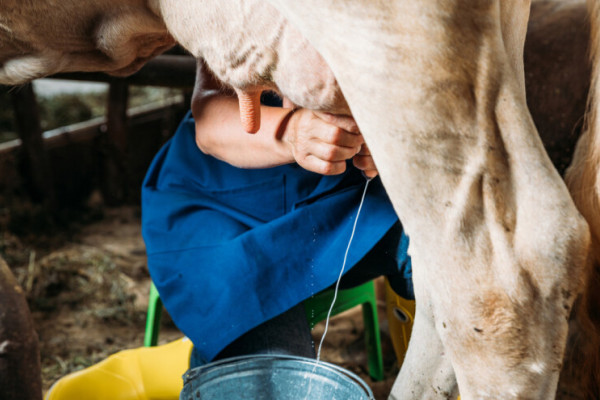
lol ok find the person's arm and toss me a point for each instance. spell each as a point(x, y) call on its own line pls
point(219, 133)
point(319, 142)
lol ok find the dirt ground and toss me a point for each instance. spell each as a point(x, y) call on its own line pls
point(88, 289)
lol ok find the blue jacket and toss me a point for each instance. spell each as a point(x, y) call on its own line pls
point(229, 248)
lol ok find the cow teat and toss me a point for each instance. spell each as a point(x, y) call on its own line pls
point(249, 101)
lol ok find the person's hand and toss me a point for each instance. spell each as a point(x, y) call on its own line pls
point(322, 142)
point(364, 161)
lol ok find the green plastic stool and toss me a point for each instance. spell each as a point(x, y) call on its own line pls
point(316, 310)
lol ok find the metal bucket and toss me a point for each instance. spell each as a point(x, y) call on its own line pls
point(273, 377)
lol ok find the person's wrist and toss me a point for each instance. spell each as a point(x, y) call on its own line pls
point(286, 129)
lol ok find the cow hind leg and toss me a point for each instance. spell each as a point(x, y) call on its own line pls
point(582, 369)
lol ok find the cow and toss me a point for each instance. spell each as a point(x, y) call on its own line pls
point(500, 251)
point(39, 38)
point(498, 247)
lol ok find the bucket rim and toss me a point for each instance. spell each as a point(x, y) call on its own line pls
point(190, 374)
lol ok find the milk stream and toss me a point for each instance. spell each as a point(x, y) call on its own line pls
point(337, 286)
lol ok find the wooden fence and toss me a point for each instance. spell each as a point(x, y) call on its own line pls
point(111, 133)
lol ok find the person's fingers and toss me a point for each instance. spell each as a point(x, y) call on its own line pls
point(364, 161)
point(329, 152)
point(339, 137)
point(344, 122)
point(323, 167)
point(322, 142)
point(364, 150)
point(372, 173)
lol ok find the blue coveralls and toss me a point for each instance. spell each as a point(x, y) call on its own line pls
point(230, 248)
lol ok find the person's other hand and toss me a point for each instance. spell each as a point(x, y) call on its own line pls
point(364, 161)
point(322, 142)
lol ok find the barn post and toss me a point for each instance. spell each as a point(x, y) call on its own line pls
point(115, 167)
point(34, 160)
point(20, 371)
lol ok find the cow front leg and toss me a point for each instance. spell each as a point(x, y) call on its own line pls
point(426, 372)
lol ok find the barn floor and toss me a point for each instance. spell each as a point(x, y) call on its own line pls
point(87, 287)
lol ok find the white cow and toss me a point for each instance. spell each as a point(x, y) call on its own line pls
point(437, 88)
point(438, 91)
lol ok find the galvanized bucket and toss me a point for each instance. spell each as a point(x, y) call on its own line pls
point(273, 377)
